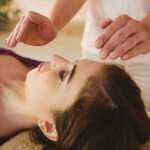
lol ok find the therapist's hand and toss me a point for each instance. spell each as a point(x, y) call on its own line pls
point(35, 29)
point(125, 38)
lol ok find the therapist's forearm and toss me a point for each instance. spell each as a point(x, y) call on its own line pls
point(63, 10)
point(146, 22)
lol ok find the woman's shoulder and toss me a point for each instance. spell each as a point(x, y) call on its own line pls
point(32, 63)
point(10, 66)
point(13, 66)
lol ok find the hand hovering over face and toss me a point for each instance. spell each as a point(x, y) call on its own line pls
point(35, 29)
point(123, 37)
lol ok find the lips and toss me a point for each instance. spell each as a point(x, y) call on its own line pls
point(40, 66)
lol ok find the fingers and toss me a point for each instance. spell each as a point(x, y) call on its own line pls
point(11, 40)
point(31, 20)
point(118, 23)
point(126, 46)
point(24, 30)
point(118, 37)
point(8, 40)
point(133, 53)
point(17, 30)
point(21, 30)
point(106, 23)
point(45, 26)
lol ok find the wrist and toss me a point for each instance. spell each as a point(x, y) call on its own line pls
point(54, 29)
point(55, 23)
point(146, 23)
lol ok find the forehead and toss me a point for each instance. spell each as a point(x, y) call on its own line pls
point(90, 66)
point(83, 71)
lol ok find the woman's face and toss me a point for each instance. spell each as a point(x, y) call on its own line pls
point(57, 84)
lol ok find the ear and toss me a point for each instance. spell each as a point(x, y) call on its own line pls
point(48, 128)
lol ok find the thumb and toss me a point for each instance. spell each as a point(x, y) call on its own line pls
point(106, 23)
point(37, 18)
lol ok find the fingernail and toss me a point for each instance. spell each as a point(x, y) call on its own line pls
point(7, 43)
point(107, 20)
point(125, 56)
point(99, 43)
point(17, 38)
point(11, 42)
point(113, 55)
point(103, 54)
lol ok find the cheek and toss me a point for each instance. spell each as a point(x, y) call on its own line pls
point(41, 89)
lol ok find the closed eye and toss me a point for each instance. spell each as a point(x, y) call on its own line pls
point(62, 74)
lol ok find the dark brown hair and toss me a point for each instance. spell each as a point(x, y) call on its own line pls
point(108, 115)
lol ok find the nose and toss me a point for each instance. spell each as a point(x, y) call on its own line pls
point(60, 62)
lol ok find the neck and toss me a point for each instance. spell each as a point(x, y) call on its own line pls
point(15, 113)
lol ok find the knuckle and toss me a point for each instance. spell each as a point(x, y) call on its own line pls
point(111, 28)
point(144, 34)
point(124, 16)
point(30, 12)
point(134, 25)
point(121, 35)
point(122, 19)
point(136, 22)
point(130, 42)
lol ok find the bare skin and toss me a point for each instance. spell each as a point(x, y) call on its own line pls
point(124, 37)
point(30, 96)
point(11, 69)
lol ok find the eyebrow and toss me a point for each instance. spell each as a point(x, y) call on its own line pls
point(73, 70)
point(72, 73)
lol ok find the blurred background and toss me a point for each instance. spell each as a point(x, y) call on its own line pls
point(67, 43)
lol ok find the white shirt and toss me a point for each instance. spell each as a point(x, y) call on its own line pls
point(102, 9)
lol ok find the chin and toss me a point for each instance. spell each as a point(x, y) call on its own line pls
point(33, 72)
point(31, 76)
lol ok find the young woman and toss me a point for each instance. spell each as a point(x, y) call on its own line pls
point(70, 106)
